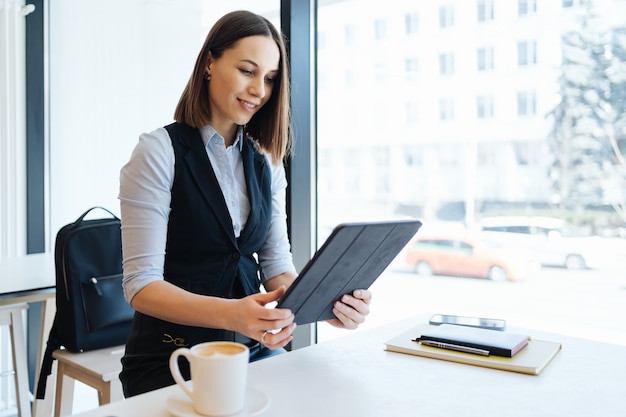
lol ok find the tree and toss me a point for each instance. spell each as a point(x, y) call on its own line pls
point(588, 138)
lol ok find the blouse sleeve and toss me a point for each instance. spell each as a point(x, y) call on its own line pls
point(145, 185)
point(275, 256)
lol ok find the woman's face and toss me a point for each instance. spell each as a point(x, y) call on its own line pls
point(242, 80)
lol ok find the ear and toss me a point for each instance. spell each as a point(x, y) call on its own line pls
point(209, 63)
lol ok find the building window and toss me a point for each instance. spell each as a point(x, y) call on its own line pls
point(446, 109)
point(446, 64)
point(485, 10)
point(526, 53)
point(411, 68)
point(526, 103)
point(411, 23)
point(380, 72)
point(484, 107)
point(349, 35)
point(412, 112)
point(484, 58)
point(446, 16)
point(380, 29)
point(572, 3)
point(526, 7)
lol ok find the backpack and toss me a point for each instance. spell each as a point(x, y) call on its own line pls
point(91, 312)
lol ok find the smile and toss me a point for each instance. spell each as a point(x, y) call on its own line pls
point(248, 104)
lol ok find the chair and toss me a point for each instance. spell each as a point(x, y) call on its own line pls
point(11, 316)
point(98, 369)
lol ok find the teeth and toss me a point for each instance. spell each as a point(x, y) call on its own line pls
point(249, 105)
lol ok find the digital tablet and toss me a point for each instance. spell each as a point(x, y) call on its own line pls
point(353, 257)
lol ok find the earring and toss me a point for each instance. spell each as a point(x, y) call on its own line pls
point(207, 76)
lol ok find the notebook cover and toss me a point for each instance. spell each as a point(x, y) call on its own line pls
point(353, 257)
point(497, 343)
point(530, 360)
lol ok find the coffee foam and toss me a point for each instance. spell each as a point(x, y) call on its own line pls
point(220, 349)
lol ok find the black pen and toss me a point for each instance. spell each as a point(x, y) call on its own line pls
point(450, 346)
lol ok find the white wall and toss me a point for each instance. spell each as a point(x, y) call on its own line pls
point(117, 69)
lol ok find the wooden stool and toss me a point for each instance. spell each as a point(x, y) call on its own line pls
point(11, 316)
point(97, 368)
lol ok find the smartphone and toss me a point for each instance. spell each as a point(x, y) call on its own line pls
point(483, 323)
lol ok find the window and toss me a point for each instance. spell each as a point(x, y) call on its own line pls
point(446, 63)
point(484, 107)
point(446, 109)
point(526, 7)
point(411, 68)
point(348, 33)
point(380, 29)
point(526, 53)
point(526, 103)
point(485, 10)
point(411, 23)
point(446, 17)
point(474, 125)
point(412, 112)
point(484, 58)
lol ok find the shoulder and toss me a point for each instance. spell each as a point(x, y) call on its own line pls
point(153, 152)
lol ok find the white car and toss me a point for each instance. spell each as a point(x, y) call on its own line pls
point(553, 241)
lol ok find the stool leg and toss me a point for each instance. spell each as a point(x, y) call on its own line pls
point(18, 345)
point(44, 407)
point(64, 398)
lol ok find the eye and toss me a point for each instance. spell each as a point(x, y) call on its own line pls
point(270, 80)
point(246, 72)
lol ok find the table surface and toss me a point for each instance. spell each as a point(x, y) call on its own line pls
point(355, 376)
point(24, 277)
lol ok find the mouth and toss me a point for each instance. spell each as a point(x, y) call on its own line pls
point(248, 105)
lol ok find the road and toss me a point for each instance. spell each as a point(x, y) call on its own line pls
point(589, 303)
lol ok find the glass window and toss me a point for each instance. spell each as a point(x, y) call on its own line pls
point(526, 7)
point(526, 53)
point(380, 29)
point(411, 23)
point(526, 103)
point(455, 137)
point(485, 10)
point(446, 63)
point(446, 16)
point(484, 56)
point(484, 106)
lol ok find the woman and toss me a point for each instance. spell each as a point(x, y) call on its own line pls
point(202, 199)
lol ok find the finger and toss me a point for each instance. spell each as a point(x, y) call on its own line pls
point(350, 317)
point(365, 295)
point(274, 340)
point(272, 296)
point(357, 304)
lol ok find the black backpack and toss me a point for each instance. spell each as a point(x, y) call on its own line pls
point(91, 312)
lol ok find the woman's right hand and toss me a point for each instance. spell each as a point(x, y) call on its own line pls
point(273, 327)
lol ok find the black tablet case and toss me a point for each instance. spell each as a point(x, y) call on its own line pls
point(353, 257)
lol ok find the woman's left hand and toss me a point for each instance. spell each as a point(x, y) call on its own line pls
point(351, 309)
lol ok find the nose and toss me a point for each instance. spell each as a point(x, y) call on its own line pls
point(257, 87)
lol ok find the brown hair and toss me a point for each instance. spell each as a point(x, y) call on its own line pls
point(270, 126)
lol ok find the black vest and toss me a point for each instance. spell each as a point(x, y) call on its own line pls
point(202, 254)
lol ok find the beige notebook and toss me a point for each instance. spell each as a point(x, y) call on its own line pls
point(530, 360)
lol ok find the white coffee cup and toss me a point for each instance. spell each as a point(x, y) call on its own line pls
point(219, 372)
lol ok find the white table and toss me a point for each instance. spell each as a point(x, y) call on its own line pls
point(355, 376)
point(29, 279)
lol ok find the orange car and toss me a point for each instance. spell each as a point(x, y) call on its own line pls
point(470, 255)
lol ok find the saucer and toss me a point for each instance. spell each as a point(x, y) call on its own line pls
point(180, 405)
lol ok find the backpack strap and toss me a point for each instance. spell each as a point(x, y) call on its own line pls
point(46, 364)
